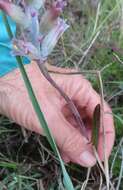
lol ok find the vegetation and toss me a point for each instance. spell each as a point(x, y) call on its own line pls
point(94, 42)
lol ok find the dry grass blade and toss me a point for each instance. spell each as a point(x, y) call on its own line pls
point(85, 183)
point(88, 49)
point(115, 156)
point(104, 135)
point(101, 181)
point(102, 167)
point(121, 172)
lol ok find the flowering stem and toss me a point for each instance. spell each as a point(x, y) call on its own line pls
point(70, 103)
point(67, 181)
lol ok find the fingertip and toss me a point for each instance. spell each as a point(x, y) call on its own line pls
point(78, 150)
point(87, 159)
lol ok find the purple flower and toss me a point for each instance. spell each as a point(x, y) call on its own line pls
point(60, 4)
point(39, 31)
point(52, 38)
point(25, 49)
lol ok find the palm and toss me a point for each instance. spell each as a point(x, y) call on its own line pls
point(64, 128)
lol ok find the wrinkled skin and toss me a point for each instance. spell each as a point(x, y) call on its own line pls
point(15, 104)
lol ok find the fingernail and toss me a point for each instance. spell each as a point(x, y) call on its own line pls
point(87, 159)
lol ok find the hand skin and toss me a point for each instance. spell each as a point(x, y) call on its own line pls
point(15, 104)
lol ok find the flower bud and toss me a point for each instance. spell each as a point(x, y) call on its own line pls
point(37, 4)
point(52, 38)
point(16, 13)
point(47, 23)
point(49, 19)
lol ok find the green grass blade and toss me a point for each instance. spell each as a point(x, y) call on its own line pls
point(8, 165)
point(67, 181)
point(7, 25)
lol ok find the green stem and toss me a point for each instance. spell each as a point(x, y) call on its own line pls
point(67, 181)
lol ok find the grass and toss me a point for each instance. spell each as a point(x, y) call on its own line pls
point(93, 43)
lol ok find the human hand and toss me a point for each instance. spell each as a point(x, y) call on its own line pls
point(15, 104)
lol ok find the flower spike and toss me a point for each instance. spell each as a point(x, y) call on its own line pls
point(38, 31)
point(15, 12)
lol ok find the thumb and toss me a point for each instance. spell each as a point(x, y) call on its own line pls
point(78, 149)
point(71, 142)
